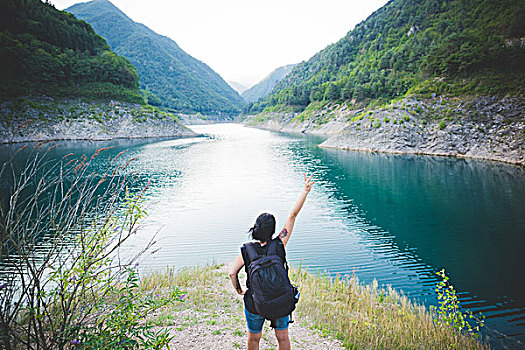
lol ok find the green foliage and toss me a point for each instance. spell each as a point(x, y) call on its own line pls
point(179, 81)
point(412, 46)
point(200, 116)
point(48, 52)
point(124, 326)
point(442, 125)
point(310, 110)
point(78, 292)
point(151, 98)
point(120, 310)
point(259, 119)
point(282, 109)
point(449, 312)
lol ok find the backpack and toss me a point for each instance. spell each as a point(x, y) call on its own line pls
point(273, 294)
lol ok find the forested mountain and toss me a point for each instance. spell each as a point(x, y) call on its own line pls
point(181, 82)
point(426, 46)
point(265, 86)
point(44, 51)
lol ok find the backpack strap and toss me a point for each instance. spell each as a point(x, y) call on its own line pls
point(276, 247)
point(251, 252)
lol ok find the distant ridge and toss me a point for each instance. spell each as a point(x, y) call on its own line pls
point(240, 88)
point(265, 86)
point(179, 81)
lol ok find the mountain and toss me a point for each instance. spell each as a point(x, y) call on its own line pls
point(414, 46)
point(181, 82)
point(265, 86)
point(44, 51)
point(237, 86)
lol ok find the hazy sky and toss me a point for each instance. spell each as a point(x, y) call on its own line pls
point(244, 40)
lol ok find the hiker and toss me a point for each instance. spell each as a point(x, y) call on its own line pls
point(267, 254)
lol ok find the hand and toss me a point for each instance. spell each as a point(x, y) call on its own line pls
point(243, 291)
point(308, 183)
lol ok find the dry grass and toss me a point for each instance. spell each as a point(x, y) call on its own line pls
point(206, 299)
point(360, 316)
point(212, 315)
point(366, 317)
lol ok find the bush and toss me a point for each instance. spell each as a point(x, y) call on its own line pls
point(442, 125)
point(77, 291)
point(122, 326)
point(449, 311)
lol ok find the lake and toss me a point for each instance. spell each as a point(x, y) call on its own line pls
point(395, 218)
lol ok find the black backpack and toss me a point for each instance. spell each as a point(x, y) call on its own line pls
point(273, 294)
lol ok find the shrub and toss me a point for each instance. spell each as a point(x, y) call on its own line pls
point(78, 291)
point(449, 311)
point(442, 125)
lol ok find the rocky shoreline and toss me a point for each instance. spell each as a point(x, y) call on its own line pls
point(490, 128)
point(46, 119)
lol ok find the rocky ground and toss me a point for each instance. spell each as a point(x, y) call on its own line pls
point(484, 127)
point(49, 119)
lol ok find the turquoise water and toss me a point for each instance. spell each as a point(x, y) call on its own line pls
point(397, 219)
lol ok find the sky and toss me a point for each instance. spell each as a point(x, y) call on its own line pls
point(244, 40)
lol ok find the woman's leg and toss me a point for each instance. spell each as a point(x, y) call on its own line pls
point(253, 340)
point(255, 326)
point(283, 339)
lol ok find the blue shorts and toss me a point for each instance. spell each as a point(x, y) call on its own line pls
point(255, 322)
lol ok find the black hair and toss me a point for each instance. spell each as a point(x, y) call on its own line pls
point(264, 227)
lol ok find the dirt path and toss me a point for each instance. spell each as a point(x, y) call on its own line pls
point(213, 318)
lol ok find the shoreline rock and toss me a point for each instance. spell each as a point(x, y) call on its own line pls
point(488, 128)
point(199, 119)
point(46, 119)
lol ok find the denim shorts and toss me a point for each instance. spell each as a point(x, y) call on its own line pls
point(255, 322)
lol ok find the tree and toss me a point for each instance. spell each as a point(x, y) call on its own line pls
point(333, 92)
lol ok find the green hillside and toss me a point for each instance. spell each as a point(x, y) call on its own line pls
point(44, 51)
point(424, 46)
point(182, 82)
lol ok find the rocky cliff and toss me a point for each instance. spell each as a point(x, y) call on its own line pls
point(44, 119)
point(490, 128)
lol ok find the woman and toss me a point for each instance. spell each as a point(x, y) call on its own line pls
point(263, 231)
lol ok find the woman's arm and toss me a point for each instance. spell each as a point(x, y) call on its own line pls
point(290, 221)
point(234, 274)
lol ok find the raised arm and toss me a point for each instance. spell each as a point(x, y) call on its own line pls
point(290, 221)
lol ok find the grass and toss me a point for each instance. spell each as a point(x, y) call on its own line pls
point(315, 107)
point(362, 316)
point(259, 118)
